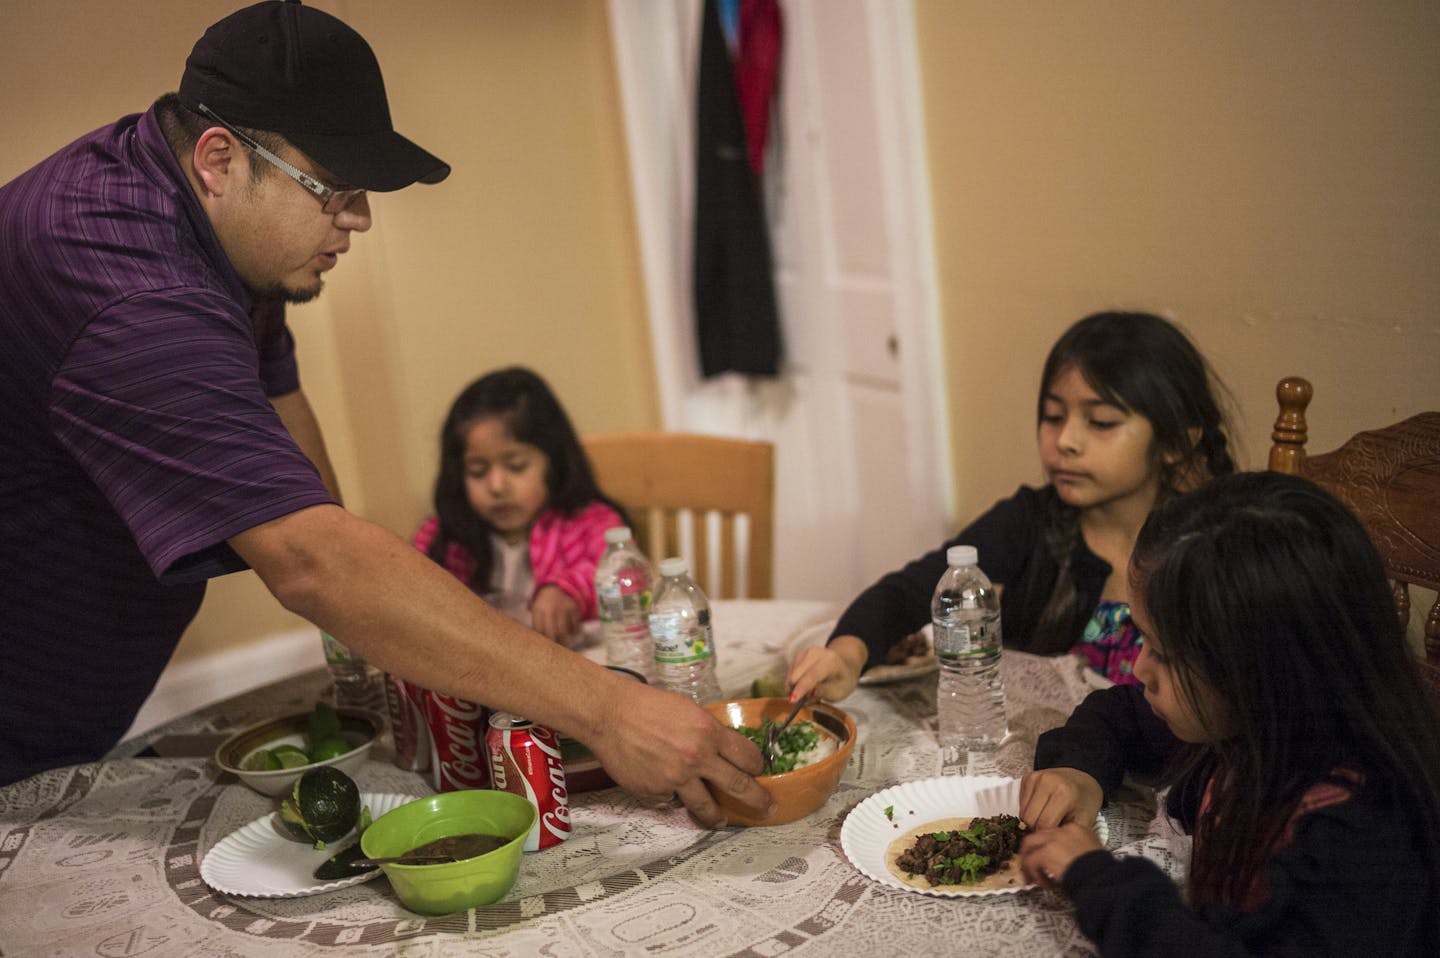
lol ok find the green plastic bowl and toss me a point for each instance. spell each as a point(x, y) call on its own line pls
point(452, 886)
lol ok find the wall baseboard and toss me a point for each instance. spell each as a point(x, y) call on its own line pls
point(197, 682)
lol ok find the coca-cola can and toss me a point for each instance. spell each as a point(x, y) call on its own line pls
point(583, 772)
point(525, 759)
point(457, 742)
point(408, 728)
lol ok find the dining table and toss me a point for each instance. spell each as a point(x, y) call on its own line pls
point(104, 858)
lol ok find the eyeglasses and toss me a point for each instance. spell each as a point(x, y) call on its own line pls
point(331, 201)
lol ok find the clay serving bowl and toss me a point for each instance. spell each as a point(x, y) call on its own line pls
point(804, 790)
point(357, 726)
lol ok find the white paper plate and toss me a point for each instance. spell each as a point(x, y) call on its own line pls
point(868, 831)
point(875, 675)
point(257, 861)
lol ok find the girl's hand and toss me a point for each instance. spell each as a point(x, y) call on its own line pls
point(831, 672)
point(1055, 796)
point(1045, 855)
point(554, 614)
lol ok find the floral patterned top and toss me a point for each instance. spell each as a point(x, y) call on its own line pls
point(1112, 642)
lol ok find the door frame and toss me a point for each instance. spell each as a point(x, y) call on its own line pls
point(656, 50)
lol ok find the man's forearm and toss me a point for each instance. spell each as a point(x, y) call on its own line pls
point(402, 612)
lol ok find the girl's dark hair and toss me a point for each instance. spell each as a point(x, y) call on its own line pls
point(1146, 366)
point(1267, 592)
point(532, 414)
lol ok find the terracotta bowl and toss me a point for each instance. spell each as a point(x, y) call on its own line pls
point(804, 790)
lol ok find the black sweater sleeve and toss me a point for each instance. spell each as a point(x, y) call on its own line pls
point(1109, 734)
point(899, 602)
point(1354, 881)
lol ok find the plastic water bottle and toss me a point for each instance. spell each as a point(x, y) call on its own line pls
point(622, 591)
point(356, 684)
point(965, 612)
point(680, 632)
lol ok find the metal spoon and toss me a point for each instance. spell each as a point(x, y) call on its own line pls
point(449, 848)
point(772, 734)
point(404, 860)
point(347, 862)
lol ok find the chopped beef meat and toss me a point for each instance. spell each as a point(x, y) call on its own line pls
point(964, 857)
point(913, 646)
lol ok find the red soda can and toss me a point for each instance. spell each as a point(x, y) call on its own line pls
point(408, 728)
point(525, 759)
point(457, 742)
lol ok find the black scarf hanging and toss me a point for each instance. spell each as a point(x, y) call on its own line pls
point(737, 322)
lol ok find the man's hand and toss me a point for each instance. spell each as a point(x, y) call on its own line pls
point(1055, 796)
point(660, 744)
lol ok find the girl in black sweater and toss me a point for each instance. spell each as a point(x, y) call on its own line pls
point(1281, 703)
point(1127, 416)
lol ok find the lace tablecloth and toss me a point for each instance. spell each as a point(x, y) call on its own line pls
point(103, 859)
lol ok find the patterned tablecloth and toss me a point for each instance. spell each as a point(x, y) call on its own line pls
point(103, 859)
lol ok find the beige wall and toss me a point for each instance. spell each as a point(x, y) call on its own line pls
point(527, 254)
point(1265, 173)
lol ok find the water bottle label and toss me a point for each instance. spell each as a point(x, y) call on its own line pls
point(966, 638)
point(607, 599)
point(335, 652)
point(680, 640)
point(616, 606)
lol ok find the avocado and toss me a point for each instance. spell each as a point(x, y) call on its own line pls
point(323, 806)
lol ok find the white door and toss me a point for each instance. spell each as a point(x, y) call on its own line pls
point(858, 415)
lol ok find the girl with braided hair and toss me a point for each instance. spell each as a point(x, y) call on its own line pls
point(1127, 418)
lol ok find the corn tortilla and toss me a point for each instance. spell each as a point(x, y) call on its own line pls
point(1007, 877)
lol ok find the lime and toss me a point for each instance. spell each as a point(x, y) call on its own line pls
point(256, 761)
point(287, 756)
point(324, 723)
point(768, 687)
point(328, 748)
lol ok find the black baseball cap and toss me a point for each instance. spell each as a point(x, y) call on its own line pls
point(298, 71)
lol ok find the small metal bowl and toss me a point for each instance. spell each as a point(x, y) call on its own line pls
point(357, 726)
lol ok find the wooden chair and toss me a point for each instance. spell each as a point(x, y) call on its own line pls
point(1390, 478)
point(670, 482)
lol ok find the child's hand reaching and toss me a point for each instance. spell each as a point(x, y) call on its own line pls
point(1055, 796)
point(831, 672)
point(1046, 854)
point(554, 614)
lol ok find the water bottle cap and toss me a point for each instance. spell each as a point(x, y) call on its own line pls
point(616, 535)
point(675, 565)
point(962, 555)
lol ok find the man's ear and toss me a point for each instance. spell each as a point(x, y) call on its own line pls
point(215, 161)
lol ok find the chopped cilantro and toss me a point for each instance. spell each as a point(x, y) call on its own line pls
point(795, 741)
point(967, 867)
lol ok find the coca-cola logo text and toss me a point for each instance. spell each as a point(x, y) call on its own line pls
point(459, 759)
point(556, 819)
point(498, 778)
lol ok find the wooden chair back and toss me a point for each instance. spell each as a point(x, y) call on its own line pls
point(1390, 478)
point(682, 488)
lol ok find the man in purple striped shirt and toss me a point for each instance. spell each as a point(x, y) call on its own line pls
point(153, 432)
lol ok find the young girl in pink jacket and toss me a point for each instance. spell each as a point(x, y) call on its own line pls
point(518, 515)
